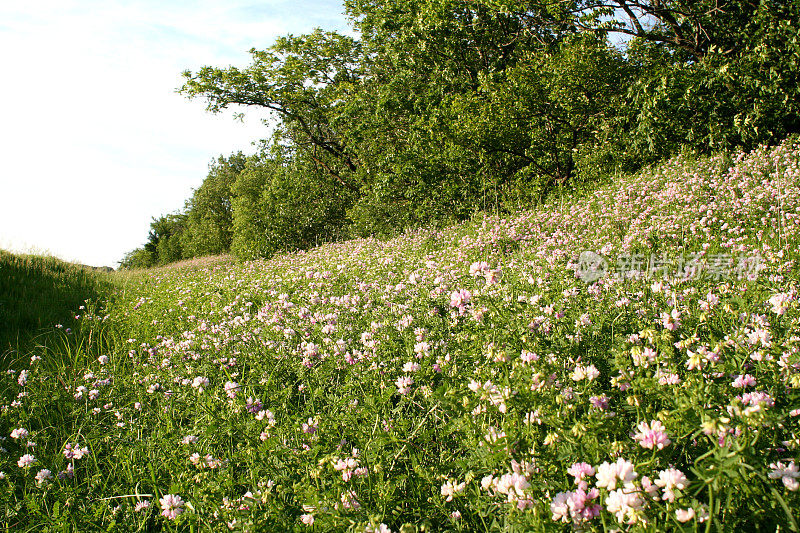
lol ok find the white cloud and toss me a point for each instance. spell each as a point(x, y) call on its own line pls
point(94, 140)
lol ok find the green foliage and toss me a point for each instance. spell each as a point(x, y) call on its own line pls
point(431, 147)
point(250, 239)
point(711, 75)
point(282, 204)
point(209, 212)
point(138, 258)
point(304, 80)
point(166, 240)
point(552, 118)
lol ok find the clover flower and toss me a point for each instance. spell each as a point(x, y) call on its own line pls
point(411, 366)
point(26, 460)
point(626, 505)
point(451, 488)
point(788, 473)
point(581, 471)
point(671, 320)
point(141, 506)
point(652, 436)
point(404, 384)
point(669, 480)
point(349, 500)
point(780, 303)
point(743, 380)
point(19, 433)
point(171, 506)
point(609, 473)
point(585, 372)
point(459, 300)
point(200, 383)
point(43, 476)
point(684, 515)
point(575, 506)
point(74, 451)
point(310, 427)
point(231, 389)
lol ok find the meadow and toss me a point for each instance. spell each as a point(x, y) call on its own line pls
point(626, 359)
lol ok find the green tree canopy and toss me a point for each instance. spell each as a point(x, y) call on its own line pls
point(209, 213)
point(439, 108)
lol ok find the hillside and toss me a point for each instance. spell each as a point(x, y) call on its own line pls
point(36, 294)
point(626, 359)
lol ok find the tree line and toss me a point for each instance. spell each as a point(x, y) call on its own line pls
point(441, 108)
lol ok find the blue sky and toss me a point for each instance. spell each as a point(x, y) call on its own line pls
point(94, 140)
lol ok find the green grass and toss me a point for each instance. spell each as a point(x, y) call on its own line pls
point(36, 294)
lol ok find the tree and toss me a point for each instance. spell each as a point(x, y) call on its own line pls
point(552, 117)
point(741, 90)
point(164, 242)
point(138, 258)
point(713, 74)
point(304, 80)
point(209, 214)
point(281, 203)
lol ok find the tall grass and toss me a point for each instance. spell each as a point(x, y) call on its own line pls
point(38, 293)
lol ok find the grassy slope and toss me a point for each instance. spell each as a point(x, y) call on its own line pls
point(305, 357)
point(36, 293)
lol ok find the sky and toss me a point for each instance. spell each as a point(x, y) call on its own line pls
point(94, 139)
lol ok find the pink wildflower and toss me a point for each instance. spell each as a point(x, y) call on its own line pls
point(411, 367)
point(580, 471)
point(684, 515)
point(450, 489)
point(780, 303)
point(43, 476)
point(585, 372)
point(310, 427)
point(404, 384)
point(672, 320)
point(788, 474)
point(74, 451)
point(599, 402)
point(669, 480)
point(609, 473)
point(141, 506)
point(625, 505)
point(422, 349)
point(575, 506)
point(652, 436)
point(459, 299)
point(743, 380)
point(200, 383)
point(171, 506)
point(231, 388)
point(26, 460)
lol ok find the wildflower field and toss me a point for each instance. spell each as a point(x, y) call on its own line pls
point(623, 360)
